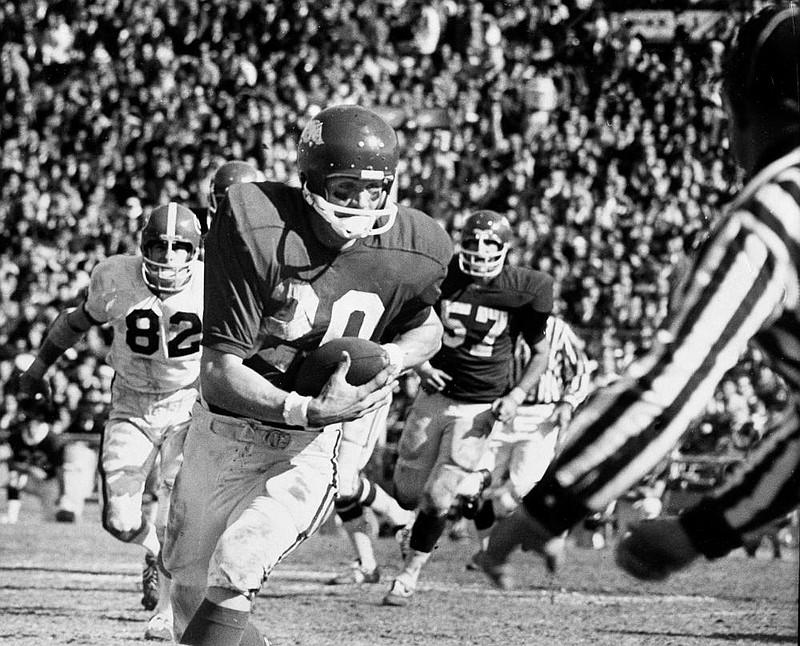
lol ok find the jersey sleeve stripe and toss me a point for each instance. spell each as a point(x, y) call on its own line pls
point(667, 388)
point(641, 451)
point(772, 474)
point(616, 407)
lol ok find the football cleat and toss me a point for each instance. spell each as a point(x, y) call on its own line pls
point(150, 582)
point(551, 550)
point(499, 573)
point(520, 529)
point(474, 563)
point(358, 575)
point(400, 594)
point(159, 628)
point(535, 538)
point(65, 516)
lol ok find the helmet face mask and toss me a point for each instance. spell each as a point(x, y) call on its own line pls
point(170, 244)
point(485, 241)
point(353, 143)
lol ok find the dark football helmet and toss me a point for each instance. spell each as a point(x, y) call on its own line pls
point(349, 141)
point(176, 227)
point(485, 240)
point(232, 172)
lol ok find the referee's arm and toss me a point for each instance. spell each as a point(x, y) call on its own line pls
point(628, 427)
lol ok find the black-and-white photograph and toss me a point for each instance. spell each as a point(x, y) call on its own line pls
point(399, 322)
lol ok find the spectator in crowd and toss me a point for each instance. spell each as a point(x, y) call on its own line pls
point(34, 454)
point(186, 80)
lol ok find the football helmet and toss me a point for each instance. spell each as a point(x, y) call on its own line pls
point(485, 240)
point(232, 172)
point(349, 141)
point(178, 227)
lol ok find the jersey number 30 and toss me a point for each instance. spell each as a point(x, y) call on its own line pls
point(143, 334)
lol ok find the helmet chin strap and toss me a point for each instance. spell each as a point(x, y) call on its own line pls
point(351, 223)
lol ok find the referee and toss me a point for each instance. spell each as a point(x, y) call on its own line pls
point(743, 285)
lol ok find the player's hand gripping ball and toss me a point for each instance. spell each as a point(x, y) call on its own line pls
point(367, 359)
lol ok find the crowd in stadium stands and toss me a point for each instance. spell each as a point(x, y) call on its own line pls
point(112, 107)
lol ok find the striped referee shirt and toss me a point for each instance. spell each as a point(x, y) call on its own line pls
point(568, 375)
point(742, 285)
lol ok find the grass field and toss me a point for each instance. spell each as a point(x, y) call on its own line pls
point(73, 584)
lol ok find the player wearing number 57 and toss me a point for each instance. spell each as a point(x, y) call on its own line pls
point(468, 386)
point(288, 269)
point(154, 303)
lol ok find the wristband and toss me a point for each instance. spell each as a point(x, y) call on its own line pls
point(295, 409)
point(397, 356)
point(518, 395)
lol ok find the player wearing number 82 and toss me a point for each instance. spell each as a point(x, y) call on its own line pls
point(154, 303)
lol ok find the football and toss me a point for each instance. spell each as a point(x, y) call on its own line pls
point(367, 359)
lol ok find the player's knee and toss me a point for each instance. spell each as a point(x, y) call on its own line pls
point(440, 495)
point(407, 487)
point(407, 502)
point(437, 502)
point(236, 567)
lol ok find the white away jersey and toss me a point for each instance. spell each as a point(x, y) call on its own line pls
point(156, 346)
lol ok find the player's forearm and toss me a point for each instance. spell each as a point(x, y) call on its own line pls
point(629, 426)
point(421, 343)
point(226, 382)
point(535, 367)
point(68, 328)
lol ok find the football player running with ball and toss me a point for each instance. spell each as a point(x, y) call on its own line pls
point(154, 302)
point(288, 269)
point(743, 285)
point(467, 386)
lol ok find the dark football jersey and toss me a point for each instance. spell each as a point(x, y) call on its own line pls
point(481, 325)
point(274, 292)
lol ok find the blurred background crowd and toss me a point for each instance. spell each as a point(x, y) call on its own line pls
point(597, 129)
